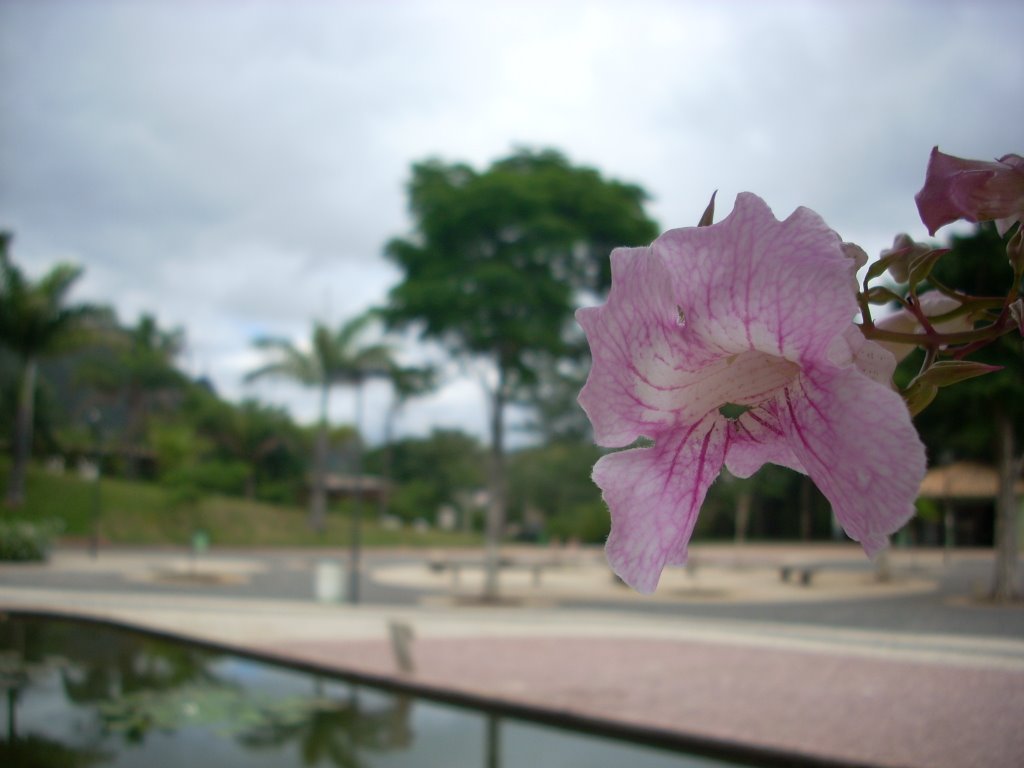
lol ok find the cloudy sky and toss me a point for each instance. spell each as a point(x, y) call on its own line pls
point(235, 167)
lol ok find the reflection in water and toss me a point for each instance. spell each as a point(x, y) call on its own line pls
point(136, 685)
point(19, 671)
point(41, 752)
point(80, 694)
point(493, 742)
point(333, 731)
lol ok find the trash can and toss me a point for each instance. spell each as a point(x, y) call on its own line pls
point(200, 541)
point(328, 585)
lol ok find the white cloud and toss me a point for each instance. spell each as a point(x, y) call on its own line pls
point(236, 169)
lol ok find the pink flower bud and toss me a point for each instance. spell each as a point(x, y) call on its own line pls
point(904, 251)
point(973, 190)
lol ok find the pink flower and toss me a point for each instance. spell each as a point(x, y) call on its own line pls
point(974, 190)
point(751, 312)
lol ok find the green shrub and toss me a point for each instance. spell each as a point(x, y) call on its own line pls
point(413, 500)
point(188, 484)
point(223, 477)
point(588, 523)
point(22, 540)
point(282, 492)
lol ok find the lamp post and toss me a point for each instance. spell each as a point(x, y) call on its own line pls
point(95, 418)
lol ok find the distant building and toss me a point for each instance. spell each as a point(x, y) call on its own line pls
point(369, 488)
point(967, 491)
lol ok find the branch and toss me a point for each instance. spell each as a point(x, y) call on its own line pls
point(937, 340)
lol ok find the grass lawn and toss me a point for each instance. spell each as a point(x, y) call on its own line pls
point(146, 514)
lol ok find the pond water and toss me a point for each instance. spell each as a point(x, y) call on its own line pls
point(84, 694)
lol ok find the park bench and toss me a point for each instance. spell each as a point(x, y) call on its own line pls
point(804, 573)
point(439, 565)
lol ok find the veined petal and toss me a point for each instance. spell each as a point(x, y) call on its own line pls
point(634, 343)
point(654, 495)
point(752, 282)
point(746, 378)
point(873, 359)
point(757, 438)
point(855, 438)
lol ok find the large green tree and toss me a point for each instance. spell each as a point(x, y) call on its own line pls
point(983, 418)
point(35, 321)
point(550, 485)
point(134, 372)
point(495, 266)
point(335, 358)
point(260, 437)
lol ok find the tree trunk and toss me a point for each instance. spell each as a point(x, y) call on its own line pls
point(948, 531)
point(496, 490)
point(23, 421)
point(806, 508)
point(318, 497)
point(134, 433)
point(743, 502)
point(1004, 581)
point(384, 497)
point(357, 507)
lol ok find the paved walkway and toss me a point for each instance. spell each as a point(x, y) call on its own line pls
point(863, 697)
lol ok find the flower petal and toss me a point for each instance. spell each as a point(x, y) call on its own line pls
point(871, 358)
point(757, 438)
point(753, 282)
point(639, 318)
point(856, 440)
point(654, 495)
point(746, 378)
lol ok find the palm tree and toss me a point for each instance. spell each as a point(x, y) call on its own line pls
point(334, 359)
point(34, 322)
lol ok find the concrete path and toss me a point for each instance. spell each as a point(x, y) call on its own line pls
point(859, 696)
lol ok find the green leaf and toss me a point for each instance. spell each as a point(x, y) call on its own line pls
point(1015, 253)
point(881, 295)
point(947, 372)
point(882, 265)
point(921, 266)
point(923, 389)
point(919, 396)
point(1017, 313)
